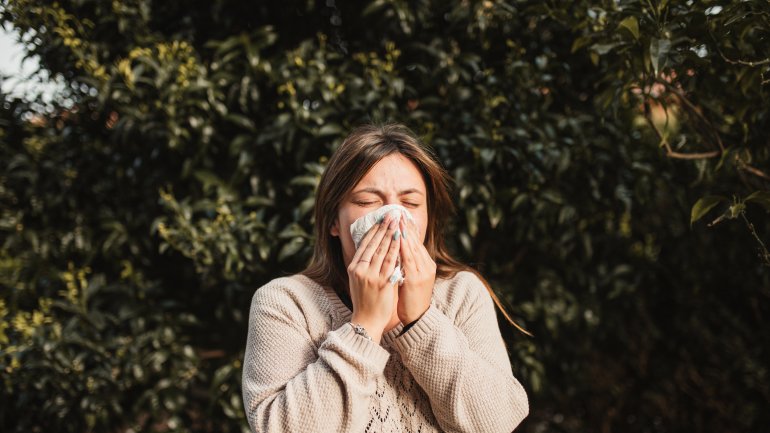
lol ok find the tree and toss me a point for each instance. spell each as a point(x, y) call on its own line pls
point(176, 175)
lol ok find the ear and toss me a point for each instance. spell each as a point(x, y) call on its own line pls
point(335, 229)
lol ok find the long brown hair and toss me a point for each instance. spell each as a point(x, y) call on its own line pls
point(360, 151)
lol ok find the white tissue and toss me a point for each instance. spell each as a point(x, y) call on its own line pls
point(362, 225)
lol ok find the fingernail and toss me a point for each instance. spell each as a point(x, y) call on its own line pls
point(396, 235)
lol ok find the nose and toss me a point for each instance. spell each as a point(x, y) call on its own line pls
point(392, 199)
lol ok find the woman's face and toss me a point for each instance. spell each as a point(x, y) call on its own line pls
point(394, 179)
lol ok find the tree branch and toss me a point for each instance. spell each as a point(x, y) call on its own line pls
point(701, 155)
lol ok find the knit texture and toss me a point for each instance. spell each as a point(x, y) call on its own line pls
point(305, 370)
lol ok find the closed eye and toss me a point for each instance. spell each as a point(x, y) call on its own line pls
point(367, 203)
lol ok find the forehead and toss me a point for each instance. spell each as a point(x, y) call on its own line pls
point(394, 171)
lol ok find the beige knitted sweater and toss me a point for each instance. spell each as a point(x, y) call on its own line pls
point(305, 370)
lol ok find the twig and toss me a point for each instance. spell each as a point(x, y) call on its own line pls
point(753, 170)
point(670, 152)
point(702, 155)
point(752, 63)
point(651, 123)
point(693, 109)
point(743, 62)
point(763, 253)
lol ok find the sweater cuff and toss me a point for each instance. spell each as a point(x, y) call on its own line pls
point(426, 325)
point(372, 354)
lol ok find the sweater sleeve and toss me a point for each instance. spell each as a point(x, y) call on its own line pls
point(464, 367)
point(290, 385)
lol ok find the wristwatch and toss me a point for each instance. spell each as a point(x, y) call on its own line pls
point(360, 330)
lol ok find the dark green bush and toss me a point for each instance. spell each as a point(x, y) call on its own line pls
point(590, 143)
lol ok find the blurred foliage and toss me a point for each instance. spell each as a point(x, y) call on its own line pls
point(176, 172)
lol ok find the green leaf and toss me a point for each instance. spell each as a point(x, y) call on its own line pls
point(373, 7)
point(264, 250)
point(241, 120)
point(466, 242)
point(290, 248)
point(580, 43)
point(330, 129)
point(736, 210)
point(293, 230)
point(659, 49)
point(472, 215)
point(306, 205)
point(703, 205)
point(495, 215)
point(761, 198)
point(725, 157)
point(304, 180)
point(207, 178)
point(602, 49)
point(632, 25)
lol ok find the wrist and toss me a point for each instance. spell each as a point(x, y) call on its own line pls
point(406, 328)
point(414, 318)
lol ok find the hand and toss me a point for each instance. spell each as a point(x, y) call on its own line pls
point(420, 275)
point(373, 295)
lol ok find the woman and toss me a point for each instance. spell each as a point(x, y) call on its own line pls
point(342, 347)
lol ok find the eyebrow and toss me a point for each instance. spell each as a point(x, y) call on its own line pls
point(378, 192)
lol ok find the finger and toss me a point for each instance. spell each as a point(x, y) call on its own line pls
point(389, 262)
point(411, 238)
point(407, 254)
point(414, 248)
point(385, 242)
point(414, 231)
point(418, 248)
point(375, 241)
point(364, 242)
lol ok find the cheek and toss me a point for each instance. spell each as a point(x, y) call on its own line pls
point(346, 219)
